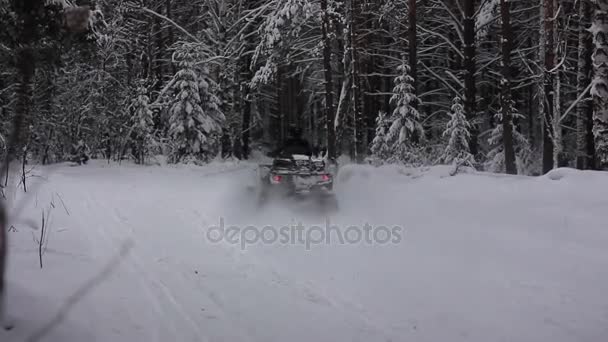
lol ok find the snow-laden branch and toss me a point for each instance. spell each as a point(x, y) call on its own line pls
point(147, 10)
point(446, 39)
point(455, 21)
point(162, 93)
point(460, 83)
point(447, 84)
point(578, 99)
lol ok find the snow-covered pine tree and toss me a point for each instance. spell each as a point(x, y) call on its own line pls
point(496, 157)
point(405, 122)
point(214, 118)
point(192, 123)
point(380, 149)
point(457, 131)
point(599, 29)
point(143, 123)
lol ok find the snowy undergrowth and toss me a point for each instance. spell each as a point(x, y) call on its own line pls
point(481, 258)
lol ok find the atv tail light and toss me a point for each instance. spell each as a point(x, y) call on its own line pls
point(325, 178)
point(276, 179)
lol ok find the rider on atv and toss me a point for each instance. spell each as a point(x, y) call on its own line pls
point(295, 144)
point(297, 171)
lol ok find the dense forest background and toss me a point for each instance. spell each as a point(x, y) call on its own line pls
point(504, 86)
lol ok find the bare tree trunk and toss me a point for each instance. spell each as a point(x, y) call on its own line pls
point(42, 237)
point(505, 98)
point(245, 91)
point(558, 158)
point(342, 112)
point(246, 125)
point(329, 84)
point(343, 85)
point(246, 119)
point(281, 108)
point(557, 126)
point(600, 82)
point(584, 159)
point(171, 35)
point(412, 48)
point(470, 90)
point(158, 55)
point(547, 101)
point(45, 156)
point(23, 162)
point(358, 115)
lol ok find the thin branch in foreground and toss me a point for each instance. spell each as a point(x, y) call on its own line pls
point(63, 204)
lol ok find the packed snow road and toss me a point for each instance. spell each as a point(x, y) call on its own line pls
point(410, 256)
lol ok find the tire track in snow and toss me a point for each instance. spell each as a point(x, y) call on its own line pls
point(155, 290)
point(95, 207)
point(156, 282)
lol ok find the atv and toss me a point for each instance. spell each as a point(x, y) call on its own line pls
point(298, 177)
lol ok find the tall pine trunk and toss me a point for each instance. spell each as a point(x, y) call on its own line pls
point(246, 124)
point(584, 111)
point(242, 138)
point(159, 54)
point(245, 100)
point(558, 140)
point(547, 13)
point(413, 47)
point(600, 81)
point(358, 115)
point(329, 83)
point(171, 35)
point(505, 96)
point(470, 90)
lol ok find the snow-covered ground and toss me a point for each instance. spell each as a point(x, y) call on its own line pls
point(479, 257)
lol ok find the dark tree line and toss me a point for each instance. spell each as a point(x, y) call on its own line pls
point(196, 79)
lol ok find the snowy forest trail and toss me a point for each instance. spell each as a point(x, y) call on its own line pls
point(479, 258)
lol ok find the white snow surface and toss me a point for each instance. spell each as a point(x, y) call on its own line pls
point(482, 257)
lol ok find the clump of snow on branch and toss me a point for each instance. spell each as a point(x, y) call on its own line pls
point(288, 15)
point(487, 13)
